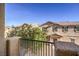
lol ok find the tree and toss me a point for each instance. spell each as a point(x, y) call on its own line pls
point(31, 33)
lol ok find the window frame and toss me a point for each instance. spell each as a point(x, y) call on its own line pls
point(65, 29)
point(54, 28)
point(76, 28)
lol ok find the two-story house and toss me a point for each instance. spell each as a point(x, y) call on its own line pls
point(68, 31)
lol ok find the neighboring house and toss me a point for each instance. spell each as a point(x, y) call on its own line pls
point(8, 29)
point(26, 25)
point(68, 30)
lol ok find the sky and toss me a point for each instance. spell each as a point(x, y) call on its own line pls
point(39, 13)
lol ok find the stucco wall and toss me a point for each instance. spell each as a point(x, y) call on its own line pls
point(2, 40)
point(13, 46)
point(66, 36)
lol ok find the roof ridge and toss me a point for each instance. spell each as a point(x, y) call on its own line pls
point(49, 22)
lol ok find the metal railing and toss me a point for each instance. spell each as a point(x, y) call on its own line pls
point(36, 48)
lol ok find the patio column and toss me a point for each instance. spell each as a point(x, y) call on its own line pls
point(2, 29)
point(55, 37)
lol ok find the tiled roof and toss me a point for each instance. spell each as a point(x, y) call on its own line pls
point(55, 36)
point(49, 23)
point(68, 23)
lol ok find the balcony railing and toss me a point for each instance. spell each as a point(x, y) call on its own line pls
point(36, 48)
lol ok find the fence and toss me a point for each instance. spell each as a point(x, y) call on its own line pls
point(36, 48)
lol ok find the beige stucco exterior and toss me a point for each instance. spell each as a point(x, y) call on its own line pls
point(2, 40)
point(66, 36)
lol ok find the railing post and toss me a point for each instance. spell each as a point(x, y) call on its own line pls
point(46, 48)
point(13, 47)
point(54, 49)
point(7, 48)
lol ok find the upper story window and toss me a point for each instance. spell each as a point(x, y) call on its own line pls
point(64, 29)
point(44, 29)
point(76, 28)
point(55, 28)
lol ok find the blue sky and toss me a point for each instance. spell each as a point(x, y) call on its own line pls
point(16, 14)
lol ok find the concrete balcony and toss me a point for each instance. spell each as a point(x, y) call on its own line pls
point(2, 26)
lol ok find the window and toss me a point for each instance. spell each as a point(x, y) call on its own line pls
point(54, 40)
point(64, 29)
point(76, 28)
point(72, 40)
point(54, 28)
point(44, 29)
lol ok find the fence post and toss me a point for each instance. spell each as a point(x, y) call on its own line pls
point(7, 47)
